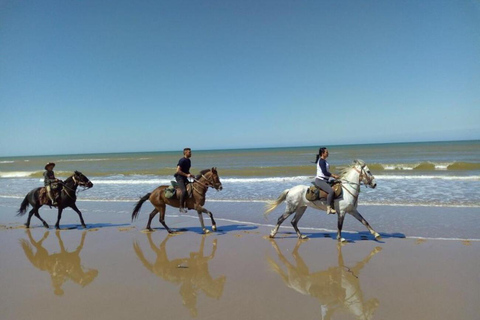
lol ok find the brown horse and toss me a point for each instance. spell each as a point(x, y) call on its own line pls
point(206, 178)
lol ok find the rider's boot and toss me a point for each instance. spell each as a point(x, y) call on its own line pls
point(330, 210)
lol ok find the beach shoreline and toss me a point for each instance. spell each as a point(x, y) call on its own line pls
point(116, 270)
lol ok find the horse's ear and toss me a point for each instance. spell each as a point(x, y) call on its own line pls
point(214, 169)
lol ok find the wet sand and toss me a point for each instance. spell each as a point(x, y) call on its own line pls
point(116, 270)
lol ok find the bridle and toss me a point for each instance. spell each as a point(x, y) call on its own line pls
point(209, 183)
point(76, 183)
point(363, 176)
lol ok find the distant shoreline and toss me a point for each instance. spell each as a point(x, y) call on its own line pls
point(314, 147)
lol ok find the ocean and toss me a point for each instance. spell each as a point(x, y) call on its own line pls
point(444, 174)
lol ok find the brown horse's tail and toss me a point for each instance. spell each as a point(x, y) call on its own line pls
point(23, 207)
point(139, 204)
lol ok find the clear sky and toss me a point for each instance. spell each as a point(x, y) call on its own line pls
point(119, 76)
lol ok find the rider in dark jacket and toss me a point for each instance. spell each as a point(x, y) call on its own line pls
point(181, 175)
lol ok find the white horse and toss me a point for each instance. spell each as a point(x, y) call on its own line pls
point(351, 178)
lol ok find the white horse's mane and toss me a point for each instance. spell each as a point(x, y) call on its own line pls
point(345, 170)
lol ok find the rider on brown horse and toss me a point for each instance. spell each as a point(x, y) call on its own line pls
point(182, 175)
point(49, 180)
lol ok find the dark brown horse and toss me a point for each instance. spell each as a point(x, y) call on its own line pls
point(67, 199)
point(206, 178)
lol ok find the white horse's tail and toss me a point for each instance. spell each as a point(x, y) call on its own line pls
point(272, 204)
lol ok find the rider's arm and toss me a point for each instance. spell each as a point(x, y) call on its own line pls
point(323, 166)
point(180, 172)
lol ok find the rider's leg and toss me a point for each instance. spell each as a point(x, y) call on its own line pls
point(322, 184)
point(49, 194)
point(183, 192)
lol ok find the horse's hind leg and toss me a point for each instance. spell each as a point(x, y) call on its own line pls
point(43, 221)
point(298, 215)
point(282, 218)
point(162, 210)
point(360, 218)
point(30, 214)
point(150, 218)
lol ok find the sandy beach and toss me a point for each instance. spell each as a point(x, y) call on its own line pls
point(115, 270)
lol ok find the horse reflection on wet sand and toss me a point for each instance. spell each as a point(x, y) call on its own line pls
point(337, 288)
point(191, 273)
point(61, 266)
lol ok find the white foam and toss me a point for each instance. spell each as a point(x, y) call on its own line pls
point(136, 181)
point(7, 161)
point(426, 177)
point(17, 174)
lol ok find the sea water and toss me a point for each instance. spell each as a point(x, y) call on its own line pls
point(443, 174)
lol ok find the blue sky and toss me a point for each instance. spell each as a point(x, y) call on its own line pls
point(120, 76)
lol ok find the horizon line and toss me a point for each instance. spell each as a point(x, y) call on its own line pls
point(243, 148)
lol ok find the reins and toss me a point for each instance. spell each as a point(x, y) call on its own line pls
point(209, 185)
point(354, 183)
point(75, 183)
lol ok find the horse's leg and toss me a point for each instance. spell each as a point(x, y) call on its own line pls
point(341, 217)
point(200, 217)
point(74, 207)
point(298, 215)
point(30, 214)
point(162, 210)
point(43, 221)
point(57, 225)
point(288, 212)
point(150, 218)
point(360, 218)
point(201, 210)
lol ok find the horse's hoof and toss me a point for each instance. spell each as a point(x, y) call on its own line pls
point(205, 231)
point(214, 228)
point(302, 237)
point(46, 226)
point(271, 236)
point(342, 240)
point(84, 226)
point(378, 237)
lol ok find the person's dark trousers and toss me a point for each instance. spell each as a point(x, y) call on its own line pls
point(182, 184)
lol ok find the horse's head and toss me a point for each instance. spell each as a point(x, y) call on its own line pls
point(211, 178)
point(82, 180)
point(216, 179)
point(365, 175)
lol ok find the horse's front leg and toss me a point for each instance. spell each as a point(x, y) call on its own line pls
point(341, 217)
point(360, 218)
point(74, 207)
point(59, 216)
point(201, 210)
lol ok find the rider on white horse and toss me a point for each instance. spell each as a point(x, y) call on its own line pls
point(324, 177)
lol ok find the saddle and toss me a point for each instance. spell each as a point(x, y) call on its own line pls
point(314, 193)
point(43, 197)
point(173, 191)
